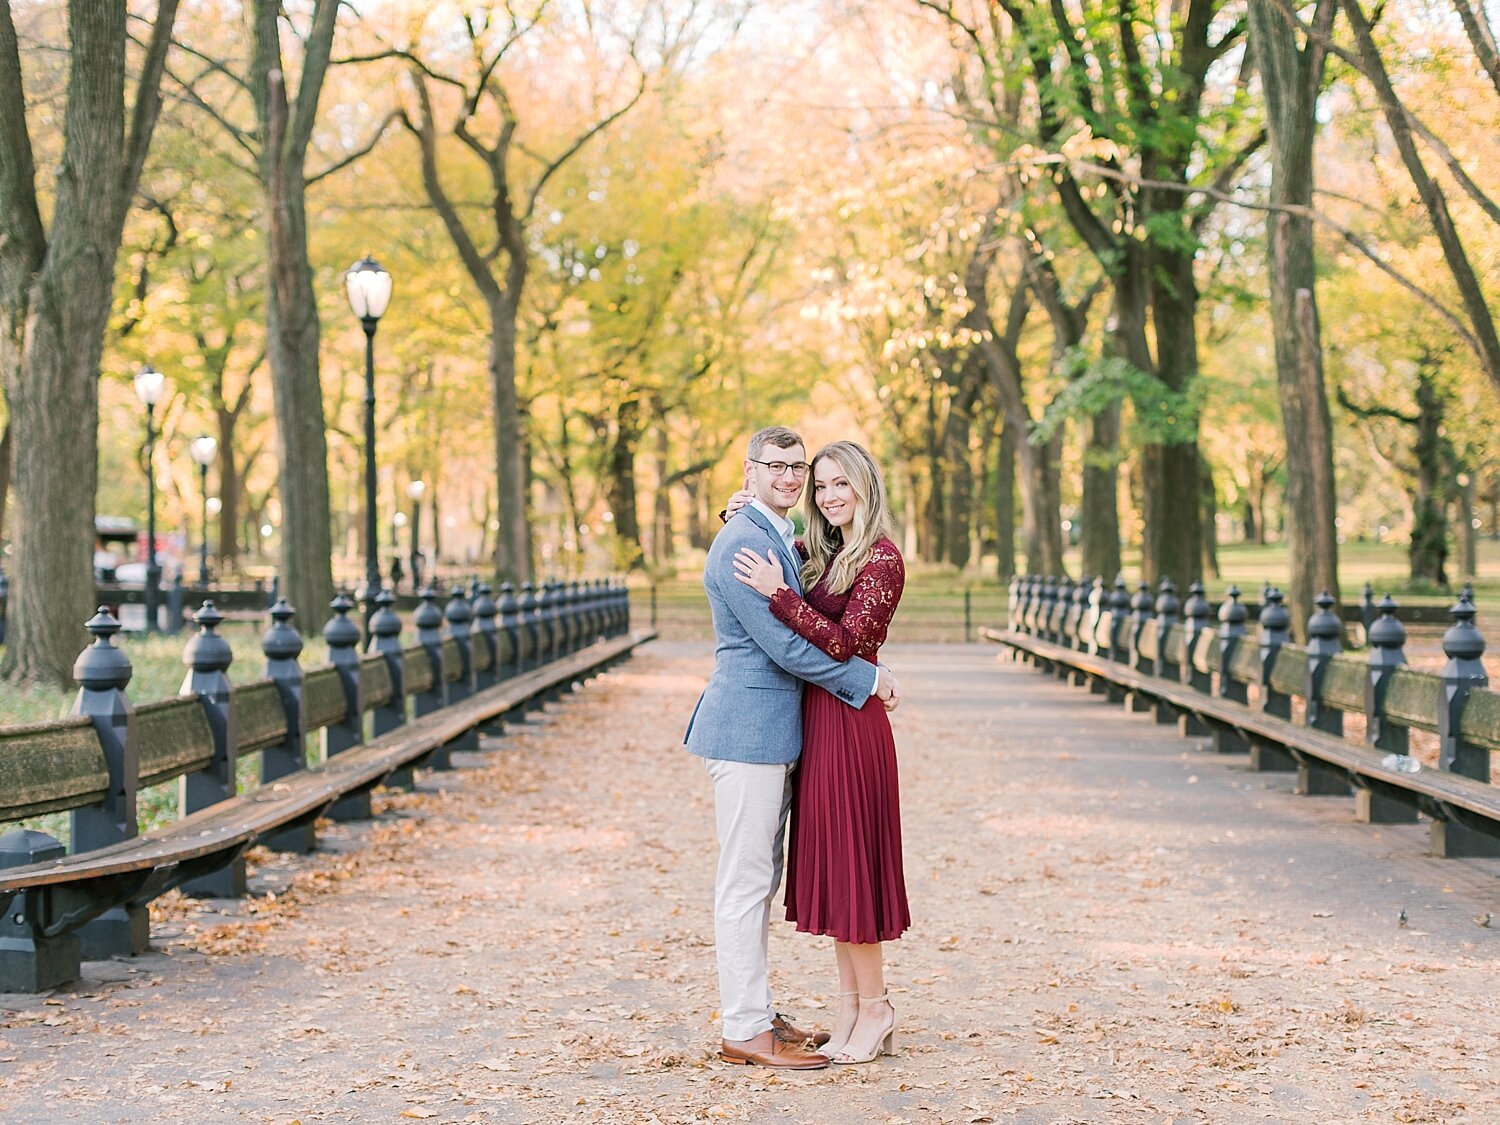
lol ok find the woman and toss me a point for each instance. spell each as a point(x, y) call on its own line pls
point(844, 876)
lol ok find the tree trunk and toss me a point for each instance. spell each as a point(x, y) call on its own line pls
point(1172, 532)
point(620, 481)
point(292, 329)
point(229, 494)
point(699, 517)
point(1041, 518)
point(1005, 500)
point(5, 450)
point(1428, 552)
point(909, 509)
point(959, 511)
point(55, 297)
point(1468, 533)
point(513, 542)
point(934, 520)
point(1099, 512)
point(1291, 79)
point(1210, 519)
point(661, 507)
point(1171, 514)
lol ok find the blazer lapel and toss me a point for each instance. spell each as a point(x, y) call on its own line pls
point(791, 567)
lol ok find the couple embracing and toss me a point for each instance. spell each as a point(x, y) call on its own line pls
point(793, 727)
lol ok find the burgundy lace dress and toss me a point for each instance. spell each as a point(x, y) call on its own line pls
point(844, 876)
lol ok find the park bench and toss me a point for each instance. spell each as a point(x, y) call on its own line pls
point(379, 714)
point(1160, 656)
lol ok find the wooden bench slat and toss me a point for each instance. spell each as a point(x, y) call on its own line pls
point(1411, 699)
point(323, 697)
point(174, 738)
point(260, 719)
point(416, 669)
point(45, 767)
point(1344, 684)
point(375, 685)
point(1480, 721)
point(1289, 671)
point(1244, 664)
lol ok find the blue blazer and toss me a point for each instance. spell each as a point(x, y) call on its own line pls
point(751, 710)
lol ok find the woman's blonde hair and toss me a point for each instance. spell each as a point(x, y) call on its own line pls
point(843, 553)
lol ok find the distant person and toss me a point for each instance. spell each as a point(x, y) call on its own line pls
point(398, 573)
point(418, 565)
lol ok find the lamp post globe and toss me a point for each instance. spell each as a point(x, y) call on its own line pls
point(203, 450)
point(149, 385)
point(369, 288)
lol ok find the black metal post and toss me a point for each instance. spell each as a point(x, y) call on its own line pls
point(208, 657)
point(282, 645)
point(102, 671)
point(1325, 634)
point(348, 733)
point(1387, 653)
point(1197, 611)
point(1464, 672)
point(372, 552)
point(1232, 617)
point(153, 571)
point(1275, 621)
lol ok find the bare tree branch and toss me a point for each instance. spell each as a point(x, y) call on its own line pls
point(319, 47)
point(582, 139)
point(188, 95)
point(1481, 37)
point(359, 153)
point(148, 96)
point(1349, 236)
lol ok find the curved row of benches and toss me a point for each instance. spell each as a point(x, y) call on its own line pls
point(379, 714)
point(1160, 655)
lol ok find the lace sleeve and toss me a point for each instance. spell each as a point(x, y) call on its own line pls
point(861, 629)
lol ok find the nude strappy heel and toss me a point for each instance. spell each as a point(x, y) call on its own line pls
point(885, 1045)
point(831, 1048)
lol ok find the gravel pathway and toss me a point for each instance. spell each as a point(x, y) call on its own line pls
point(1112, 925)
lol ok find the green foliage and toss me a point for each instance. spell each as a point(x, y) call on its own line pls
point(1161, 415)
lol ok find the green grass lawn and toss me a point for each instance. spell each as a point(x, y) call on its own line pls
point(157, 670)
point(1383, 565)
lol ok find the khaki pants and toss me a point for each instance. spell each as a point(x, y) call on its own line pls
point(751, 805)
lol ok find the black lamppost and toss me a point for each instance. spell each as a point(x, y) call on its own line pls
point(204, 450)
point(149, 384)
point(369, 293)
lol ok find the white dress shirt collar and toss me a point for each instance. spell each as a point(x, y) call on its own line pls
point(784, 527)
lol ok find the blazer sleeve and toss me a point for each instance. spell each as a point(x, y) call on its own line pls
point(866, 619)
point(853, 681)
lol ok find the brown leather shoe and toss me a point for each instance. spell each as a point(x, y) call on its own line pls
point(796, 1034)
point(771, 1048)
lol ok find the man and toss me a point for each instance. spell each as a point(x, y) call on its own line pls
point(748, 725)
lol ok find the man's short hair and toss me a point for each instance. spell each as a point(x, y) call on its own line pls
point(779, 436)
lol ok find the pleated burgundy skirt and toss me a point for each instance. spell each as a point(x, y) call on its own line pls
point(844, 876)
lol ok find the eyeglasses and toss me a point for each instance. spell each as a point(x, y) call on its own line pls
point(798, 468)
